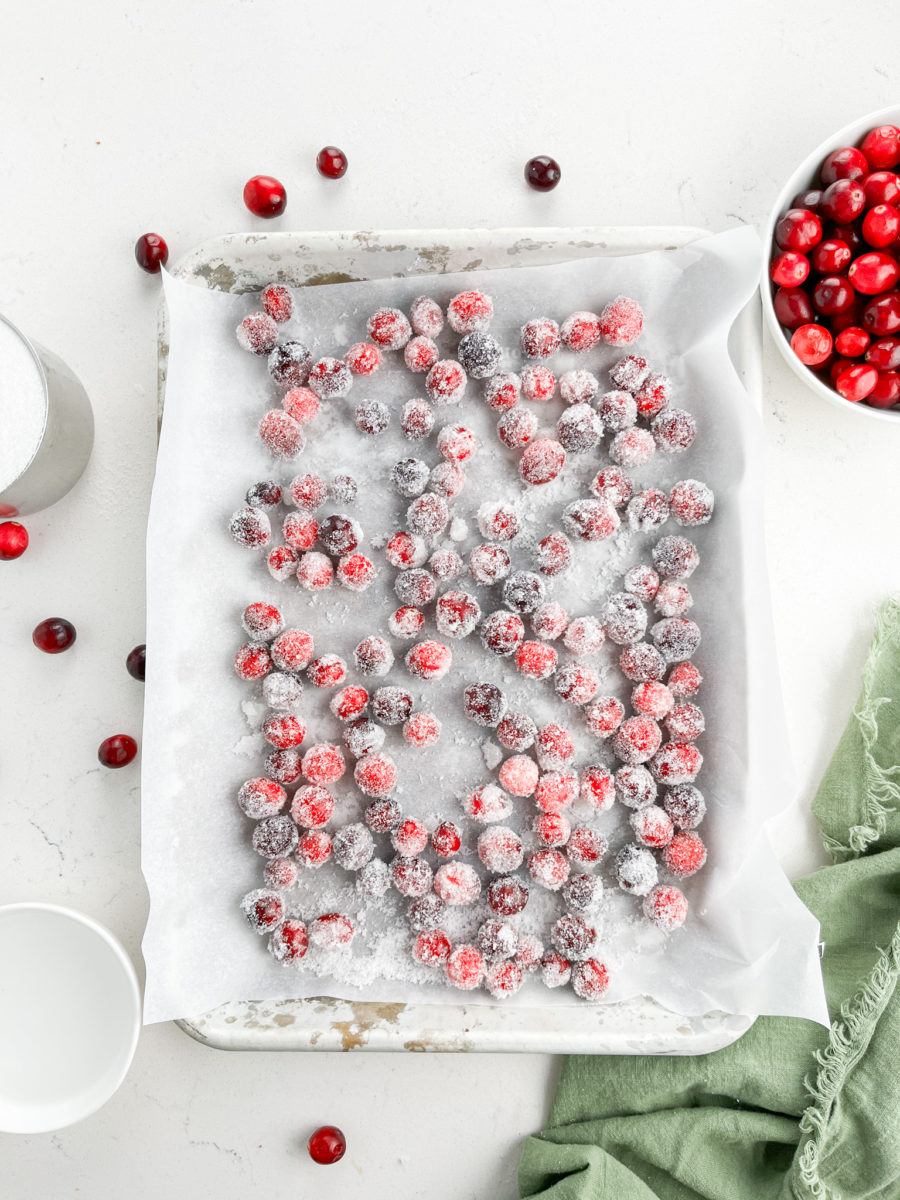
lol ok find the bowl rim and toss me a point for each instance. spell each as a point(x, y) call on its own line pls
point(848, 135)
point(134, 995)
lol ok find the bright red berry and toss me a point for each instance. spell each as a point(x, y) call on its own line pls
point(881, 147)
point(327, 1145)
point(117, 751)
point(331, 162)
point(856, 382)
point(812, 344)
point(265, 196)
point(846, 163)
point(789, 268)
point(874, 273)
point(54, 635)
point(151, 253)
point(13, 540)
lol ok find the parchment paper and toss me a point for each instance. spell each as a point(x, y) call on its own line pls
point(749, 945)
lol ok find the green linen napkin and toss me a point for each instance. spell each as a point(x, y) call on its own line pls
point(790, 1111)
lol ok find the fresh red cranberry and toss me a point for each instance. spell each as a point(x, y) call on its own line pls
point(843, 201)
point(852, 315)
point(54, 635)
point(846, 163)
point(856, 382)
point(882, 187)
point(789, 268)
point(810, 199)
point(799, 229)
point(831, 257)
point(881, 225)
point(117, 751)
point(331, 162)
point(265, 196)
point(886, 391)
point(832, 295)
point(874, 273)
point(13, 540)
point(542, 173)
point(812, 344)
point(884, 354)
point(327, 1145)
point(793, 307)
point(852, 342)
point(136, 663)
point(849, 234)
point(881, 316)
point(881, 146)
point(151, 253)
point(835, 366)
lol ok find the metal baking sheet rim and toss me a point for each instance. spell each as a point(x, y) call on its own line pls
point(246, 262)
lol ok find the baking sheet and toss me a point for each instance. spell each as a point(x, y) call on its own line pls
point(739, 952)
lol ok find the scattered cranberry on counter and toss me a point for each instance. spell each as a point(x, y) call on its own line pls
point(331, 162)
point(117, 751)
point(136, 663)
point(54, 635)
point(327, 1145)
point(151, 253)
point(13, 540)
point(542, 173)
point(265, 196)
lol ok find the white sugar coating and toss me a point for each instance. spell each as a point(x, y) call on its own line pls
point(426, 317)
point(618, 410)
point(23, 405)
point(636, 870)
point(578, 387)
point(459, 530)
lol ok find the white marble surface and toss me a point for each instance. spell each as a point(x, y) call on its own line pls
point(116, 120)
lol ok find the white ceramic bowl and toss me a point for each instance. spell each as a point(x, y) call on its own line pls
point(70, 1015)
point(805, 177)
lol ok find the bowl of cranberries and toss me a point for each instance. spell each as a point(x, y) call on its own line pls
point(832, 300)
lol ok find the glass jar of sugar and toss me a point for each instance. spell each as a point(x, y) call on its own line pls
point(46, 425)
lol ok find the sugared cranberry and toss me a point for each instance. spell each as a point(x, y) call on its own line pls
point(13, 540)
point(881, 316)
point(151, 253)
point(331, 162)
point(874, 273)
point(117, 751)
point(799, 229)
point(832, 295)
point(843, 201)
point(789, 268)
point(327, 1145)
point(278, 302)
point(265, 196)
point(136, 663)
point(54, 635)
point(812, 344)
point(446, 840)
point(846, 163)
point(856, 382)
point(542, 173)
point(881, 147)
point(793, 307)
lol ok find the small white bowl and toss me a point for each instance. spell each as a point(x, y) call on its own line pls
point(805, 177)
point(70, 1016)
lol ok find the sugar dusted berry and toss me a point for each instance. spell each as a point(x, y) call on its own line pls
point(258, 798)
point(389, 328)
point(308, 491)
point(635, 870)
point(648, 510)
point(555, 746)
point(488, 563)
point(406, 622)
point(636, 740)
point(465, 967)
point(353, 846)
point(446, 840)
point(630, 372)
point(551, 828)
point(541, 461)
point(447, 480)
point(586, 846)
point(497, 939)
point(516, 731)
point(652, 826)
point(428, 515)
point(676, 763)
point(283, 766)
point(621, 322)
point(283, 730)
point(582, 893)
point(502, 633)
point(417, 419)
point(624, 618)
point(591, 520)
point(261, 621)
point(330, 378)
point(487, 804)
point(484, 704)
point(580, 332)
point(409, 838)
point(405, 550)
point(684, 855)
point(573, 936)
point(676, 638)
point(666, 907)
point(500, 849)
point(652, 699)
point(264, 910)
point(549, 620)
point(457, 883)
point(642, 663)
point(422, 729)
point(315, 571)
point(373, 656)
point(456, 443)
point(684, 680)
point(425, 912)
point(431, 947)
point(312, 806)
point(584, 637)
point(383, 815)
point(635, 786)
point(428, 660)
point(578, 429)
point(265, 494)
point(372, 417)
point(415, 586)
point(281, 873)
point(391, 705)
point(497, 521)
point(673, 599)
point(469, 312)
point(596, 787)
point(536, 660)
point(421, 354)
point(292, 650)
point(446, 382)
point(426, 317)
point(281, 690)
point(355, 572)
point(480, 355)
point(549, 869)
point(281, 435)
point(632, 448)
point(553, 554)
point(314, 848)
point(252, 661)
point(301, 530)
point(278, 302)
point(612, 485)
point(604, 716)
point(555, 791)
point(251, 527)
point(502, 391)
point(375, 775)
point(517, 427)
point(641, 581)
point(523, 592)
point(519, 775)
point(674, 430)
point(363, 358)
point(617, 410)
point(538, 384)
point(539, 338)
point(578, 387)
point(323, 763)
point(590, 979)
point(257, 333)
point(691, 502)
point(332, 931)
point(289, 364)
point(556, 971)
point(576, 684)
point(274, 837)
point(685, 805)
point(412, 877)
point(653, 396)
